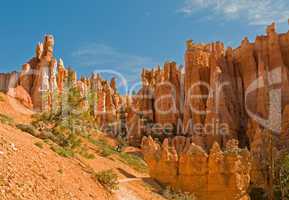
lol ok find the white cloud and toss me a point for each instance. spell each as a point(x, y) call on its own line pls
point(255, 12)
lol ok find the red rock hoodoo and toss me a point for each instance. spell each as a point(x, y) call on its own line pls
point(221, 94)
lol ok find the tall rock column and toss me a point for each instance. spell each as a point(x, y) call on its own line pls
point(194, 104)
point(41, 84)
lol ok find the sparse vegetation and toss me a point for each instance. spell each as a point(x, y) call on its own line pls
point(84, 153)
point(106, 150)
point(67, 153)
point(65, 132)
point(170, 194)
point(108, 179)
point(4, 119)
point(27, 128)
point(39, 144)
point(134, 161)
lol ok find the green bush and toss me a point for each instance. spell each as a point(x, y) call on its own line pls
point(84, 153)
point(67, 153)
point(28, 129)
point(108, 179)
point(170, 194)
point(104, 148)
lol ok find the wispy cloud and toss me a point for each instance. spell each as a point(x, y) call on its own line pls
point(107, 56)
point(255, 12)
point(104, 57)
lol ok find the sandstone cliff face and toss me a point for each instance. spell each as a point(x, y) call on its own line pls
point(186, 166)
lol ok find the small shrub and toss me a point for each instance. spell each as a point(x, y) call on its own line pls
point(84, 153)
point(104, 148)
point(45, 116)
point(67, 153)
point(47, 141)
point(134, 161)
point(88, 156)
point(28, 129)
point(39, 144)
point(74, 141)
point(46, 135)
point(107, 151)
point(4, 119)
point(170, 194)
point(108, 179)
point(122, 141)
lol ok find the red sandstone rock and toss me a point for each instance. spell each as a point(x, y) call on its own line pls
point(22, 95)
point(26, 77)
point(60, 75)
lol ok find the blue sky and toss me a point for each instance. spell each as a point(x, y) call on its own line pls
point(126, 35)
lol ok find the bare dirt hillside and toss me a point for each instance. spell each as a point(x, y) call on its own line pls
point(12, 108)
point(29, 171)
